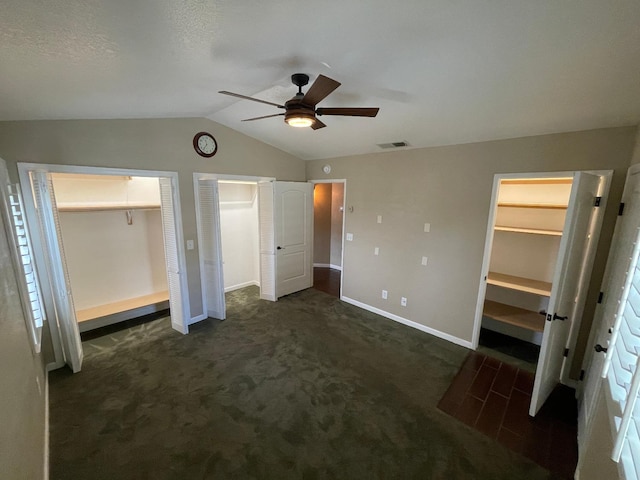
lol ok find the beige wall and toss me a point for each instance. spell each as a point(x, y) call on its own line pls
point(450, 188)
point(595, 461)
point(23, 399)
point(148, 144)
point(322, 223)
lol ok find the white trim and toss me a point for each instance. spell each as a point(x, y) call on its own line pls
point(328, 265)
point(241, 285)
point(46, 427)
point(409, 323)
point(199, 318)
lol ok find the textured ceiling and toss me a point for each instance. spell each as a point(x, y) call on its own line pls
point(442, 71)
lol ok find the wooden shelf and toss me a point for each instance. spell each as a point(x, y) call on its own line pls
point(519, 283)
point(514, 316)
point(551, 206)
point(104, 208)
point(535, 231)
point(121, 306)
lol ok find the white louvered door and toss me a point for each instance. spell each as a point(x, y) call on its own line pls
point(210, 248)
point(267, 241)
point(57, 268)
point(175, 276)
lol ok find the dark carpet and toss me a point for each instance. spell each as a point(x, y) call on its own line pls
point(305, 388)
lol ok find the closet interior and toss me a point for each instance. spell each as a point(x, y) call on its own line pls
point(114, 246)
point(328, 212)
point(239, 233)
point(529, 222)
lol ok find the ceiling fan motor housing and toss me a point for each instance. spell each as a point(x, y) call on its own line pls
point(294, 108)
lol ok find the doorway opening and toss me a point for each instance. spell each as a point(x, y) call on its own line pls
point(541, 240)
point(104, 222)
point(328, 228)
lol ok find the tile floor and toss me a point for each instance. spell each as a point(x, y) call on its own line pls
point(493, 397)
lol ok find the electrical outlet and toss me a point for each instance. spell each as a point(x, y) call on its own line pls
point(349, 237)
point(427, 227)
point(424, 261)
point(403, 301)
point(376, 251)
point(190, 245)
point(384, 294)
point(379, 218)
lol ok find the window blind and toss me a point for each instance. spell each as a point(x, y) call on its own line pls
point(31, 295)
point(622, 373)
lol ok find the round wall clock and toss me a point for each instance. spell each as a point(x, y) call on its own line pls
point(204, 144)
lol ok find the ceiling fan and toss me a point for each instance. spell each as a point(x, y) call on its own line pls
point(301, 110)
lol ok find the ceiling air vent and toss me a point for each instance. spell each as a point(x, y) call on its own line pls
point(394, 144)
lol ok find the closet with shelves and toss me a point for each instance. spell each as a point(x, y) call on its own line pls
point(113, 241)
point(530, 217)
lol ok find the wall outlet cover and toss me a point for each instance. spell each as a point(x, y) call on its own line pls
point(349, 237)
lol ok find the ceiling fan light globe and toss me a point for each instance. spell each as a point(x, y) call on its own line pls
point(299, 122)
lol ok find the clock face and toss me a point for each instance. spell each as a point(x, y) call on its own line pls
point(205, 144)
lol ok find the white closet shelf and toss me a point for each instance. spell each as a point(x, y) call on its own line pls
point(535, 231)
point(519, 283)
point(514, 316)
point(551, 206)
point(105, 207)
point(121, 306)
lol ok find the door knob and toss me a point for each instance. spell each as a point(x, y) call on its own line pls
point(278, 247)
point(599, 348)
point(558, 317)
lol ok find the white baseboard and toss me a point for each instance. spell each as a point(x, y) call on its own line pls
point(328, 265)
point(409, 323)
point(45, 475)
point(241, 285)
point(197, 319)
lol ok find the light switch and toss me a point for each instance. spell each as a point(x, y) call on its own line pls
point(349, 237)
point(376, 251)
point(379, 218)
point(427, 227)
point(403, 302)
point(190, 245)
point(424, 261)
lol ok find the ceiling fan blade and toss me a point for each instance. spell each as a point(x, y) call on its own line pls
point(350, 112)
point(318, 124)
point(250, 98)
point(260, 118)
point(322, 87)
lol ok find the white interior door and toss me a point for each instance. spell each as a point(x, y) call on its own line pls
point(294, 236)
point(172, 238)
point(210, 248)
point(567, 283)
point(47, 211)
point(267, 241)
point(613, 284)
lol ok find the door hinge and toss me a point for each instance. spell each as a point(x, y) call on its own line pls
point(566, 352)
point(600, 297)
point(596, 202)
point(621, 209)
point(581, 374)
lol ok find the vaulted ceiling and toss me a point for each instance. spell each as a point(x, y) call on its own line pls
point(441, 71)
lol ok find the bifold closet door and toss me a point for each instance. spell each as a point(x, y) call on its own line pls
point(267, 241)
point(567, 284)
point(174, 274)
point(47, 212)
point(209, 237)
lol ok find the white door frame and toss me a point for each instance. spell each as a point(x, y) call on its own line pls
point(344, 220)
point(605, 175)
point(25, 185)
point(197, 176)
